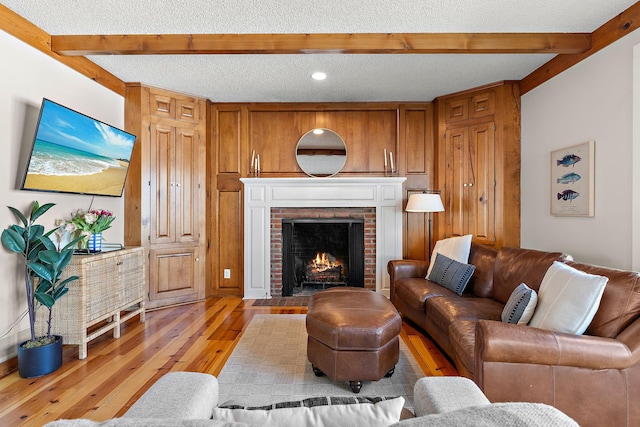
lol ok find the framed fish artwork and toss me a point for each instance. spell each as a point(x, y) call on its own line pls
point(572, 180)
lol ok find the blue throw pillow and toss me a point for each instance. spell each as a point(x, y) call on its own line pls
point(451, 274)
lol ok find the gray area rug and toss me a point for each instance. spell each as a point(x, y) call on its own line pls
point(270, 365)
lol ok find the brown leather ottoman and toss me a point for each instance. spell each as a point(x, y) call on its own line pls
point(353, 335)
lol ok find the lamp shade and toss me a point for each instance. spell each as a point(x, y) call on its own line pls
point(424, 202)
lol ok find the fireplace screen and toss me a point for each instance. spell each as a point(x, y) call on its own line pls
point(321, 253)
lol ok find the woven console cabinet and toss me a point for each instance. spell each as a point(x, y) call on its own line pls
point(110, 290)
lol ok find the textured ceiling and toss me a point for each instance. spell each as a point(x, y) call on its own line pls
point(286, 78)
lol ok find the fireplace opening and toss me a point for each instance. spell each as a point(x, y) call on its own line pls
point(322, 252)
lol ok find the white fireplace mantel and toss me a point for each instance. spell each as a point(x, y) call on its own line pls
point(261, 194)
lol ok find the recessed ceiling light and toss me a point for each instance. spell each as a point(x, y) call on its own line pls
point(319, 75)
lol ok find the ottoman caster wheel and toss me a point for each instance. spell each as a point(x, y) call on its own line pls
point(355, 386)
point(391, 371)
point(317, 371)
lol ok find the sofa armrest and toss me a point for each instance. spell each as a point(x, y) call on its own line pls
point(436, 395)
point(178, 395)
point(503, 342)
point(404, 269)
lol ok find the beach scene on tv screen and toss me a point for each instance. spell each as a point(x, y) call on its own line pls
point(77, 154)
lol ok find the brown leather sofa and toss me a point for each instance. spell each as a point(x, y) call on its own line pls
point(594, 378)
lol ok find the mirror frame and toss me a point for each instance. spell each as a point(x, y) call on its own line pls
point(307, 147)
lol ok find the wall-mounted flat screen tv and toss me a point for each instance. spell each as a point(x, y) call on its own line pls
point(74, 153)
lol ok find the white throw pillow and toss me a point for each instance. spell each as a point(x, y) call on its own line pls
point(568, 299)
point(381, 414)
point(456, 248)
point(521, 305)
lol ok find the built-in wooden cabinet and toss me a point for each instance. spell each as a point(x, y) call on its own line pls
point(166, 191)
point(478, 168)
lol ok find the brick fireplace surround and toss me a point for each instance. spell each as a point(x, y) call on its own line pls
point(278, 214)
point(268, 200)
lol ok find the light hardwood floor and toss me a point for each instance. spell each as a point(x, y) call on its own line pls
point(196, 337)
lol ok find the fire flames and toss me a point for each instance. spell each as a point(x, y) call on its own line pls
point(323, 262)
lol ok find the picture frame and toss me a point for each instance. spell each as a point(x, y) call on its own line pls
point(572, 180)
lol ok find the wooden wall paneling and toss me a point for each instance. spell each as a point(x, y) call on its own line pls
point(135, 215)
point(508, 160)
point(230, 254)
point(416, 161)
point(416, 240)
point(227, 143)
point(274, 136)
point(228, 129)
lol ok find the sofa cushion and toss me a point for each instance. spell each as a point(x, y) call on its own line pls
point(568, 299)
point(620, 303)
point(484, 258)
point(456, 248)
point(520, 306)
point(451, 274)
point(516, 265)
point(334, 413)
point(415, 292)
point(442, 311)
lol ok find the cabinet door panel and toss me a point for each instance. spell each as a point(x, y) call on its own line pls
point(456, 142)
point(186, 186)
point(187, 110)
point(483, 104)
point(162, 183)
point(481, 188)
point(162, 105)
point(172, 274)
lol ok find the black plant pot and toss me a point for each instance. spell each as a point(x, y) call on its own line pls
point(39, 361)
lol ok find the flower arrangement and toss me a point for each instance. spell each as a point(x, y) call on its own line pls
point(92, 222)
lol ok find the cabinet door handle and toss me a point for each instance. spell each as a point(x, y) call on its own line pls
point(471, 184)
point(464, 185)
point(177, 185)
point(119, 263)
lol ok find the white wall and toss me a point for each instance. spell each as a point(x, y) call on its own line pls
point(26, 76)
point(593, 100)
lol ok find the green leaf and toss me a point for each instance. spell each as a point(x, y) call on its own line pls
point(45, 299)
point(13, 241)
point(50, 256)
point(42, 271)
point(21, 217)
point(59, 293)
point(38, 211)
point(66, 281)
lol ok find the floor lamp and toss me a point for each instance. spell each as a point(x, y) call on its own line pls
point(426, 202)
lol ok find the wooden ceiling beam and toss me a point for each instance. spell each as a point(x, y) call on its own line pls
point(613, 30)
point(24, 30)
point(370, 43)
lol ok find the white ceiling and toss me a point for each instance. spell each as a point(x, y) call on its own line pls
point(286, 78)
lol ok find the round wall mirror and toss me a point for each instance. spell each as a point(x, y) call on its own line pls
point(321, 153)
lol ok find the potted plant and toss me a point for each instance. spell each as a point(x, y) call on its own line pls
point(43, 266)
